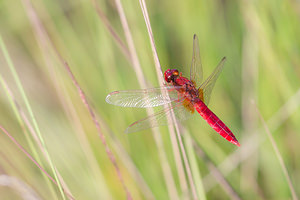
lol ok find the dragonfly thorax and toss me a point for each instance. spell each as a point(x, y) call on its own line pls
point(190, 92)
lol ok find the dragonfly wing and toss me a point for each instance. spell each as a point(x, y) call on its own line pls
point(209, 83)
point(160, 118)
point(144, 98)
point(196, 72)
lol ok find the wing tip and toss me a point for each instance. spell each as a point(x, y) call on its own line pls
point(107, 99)
point(129, 129)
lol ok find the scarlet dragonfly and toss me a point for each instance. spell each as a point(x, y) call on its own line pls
point(182, 94)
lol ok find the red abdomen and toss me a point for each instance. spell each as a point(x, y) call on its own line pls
point(215, 122)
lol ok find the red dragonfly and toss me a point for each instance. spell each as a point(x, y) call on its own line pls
point(182, 94)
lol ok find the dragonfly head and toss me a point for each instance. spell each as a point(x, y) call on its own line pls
point(171, 75)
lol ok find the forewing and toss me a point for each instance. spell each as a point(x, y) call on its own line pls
point(143, 98)
point(160, 118)
point(208, 85)
point(196, 72)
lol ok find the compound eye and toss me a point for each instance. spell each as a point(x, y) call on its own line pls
point(168, 78)
point(176, 73)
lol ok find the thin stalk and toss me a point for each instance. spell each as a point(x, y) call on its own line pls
point(169, 179)
point(24, 190)
point(216, 172)
point(45, 43)
point(279, 157)
point(112, 31)
point(30, 111)
point(31, 158)
point(194, 165)
point(250, 56)
point(17, 111)
point(23, 120)
point(101, 135)
point(128, 162)
point(159, 74)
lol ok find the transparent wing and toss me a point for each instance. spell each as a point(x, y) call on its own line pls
point(160, 118)
point(143, 98)
point(196, 72)
point(209, 83)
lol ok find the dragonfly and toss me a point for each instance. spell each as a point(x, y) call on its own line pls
point(184, 96)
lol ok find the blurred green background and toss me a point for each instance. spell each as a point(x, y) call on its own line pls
point(261, 40)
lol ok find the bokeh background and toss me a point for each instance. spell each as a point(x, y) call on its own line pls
point(261, 40)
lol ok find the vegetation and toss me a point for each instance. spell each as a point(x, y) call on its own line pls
point(60, 140)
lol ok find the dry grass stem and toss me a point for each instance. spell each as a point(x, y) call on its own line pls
point(159, 74)
point(45, 40)
point(24, 190)
point(31, 114)
point(25, 120)
point(216, 173)
point(128, 162)
point(101, 135)
point(250, 59)
point(168, 177)
point(31, 158)
point(133, 54)
point(279, 157)
point(113, 33)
